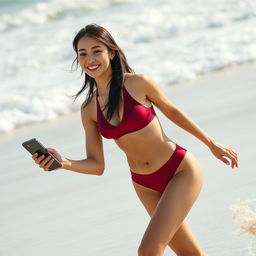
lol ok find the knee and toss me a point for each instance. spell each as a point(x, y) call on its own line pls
point(150, 250)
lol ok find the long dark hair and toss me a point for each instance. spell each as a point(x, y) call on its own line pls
point(118, 63)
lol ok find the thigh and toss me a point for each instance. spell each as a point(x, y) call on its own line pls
point(168, 210)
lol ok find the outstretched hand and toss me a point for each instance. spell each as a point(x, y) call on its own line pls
point(225, 153)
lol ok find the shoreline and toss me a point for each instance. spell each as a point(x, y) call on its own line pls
point(166, 89)
point(66, 213)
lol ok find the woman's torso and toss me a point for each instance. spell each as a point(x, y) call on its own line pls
point(146, 149)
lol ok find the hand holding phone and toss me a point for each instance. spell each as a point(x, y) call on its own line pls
point(43, 155)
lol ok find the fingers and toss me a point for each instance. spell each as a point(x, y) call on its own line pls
point(47, 166)
point(51, 150)
point(226, 154)
point(224, 160)
point(232, 155)
point(43, 161)
point(54, 153)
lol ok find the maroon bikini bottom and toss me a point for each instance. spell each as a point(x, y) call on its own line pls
point(159, 179)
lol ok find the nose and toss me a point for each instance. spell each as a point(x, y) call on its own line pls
point(90, 58)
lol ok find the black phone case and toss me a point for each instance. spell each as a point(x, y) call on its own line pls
point(33, 146)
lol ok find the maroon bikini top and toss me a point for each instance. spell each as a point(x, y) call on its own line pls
point(135, 117)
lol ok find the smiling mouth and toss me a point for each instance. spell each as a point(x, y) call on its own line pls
point(93, 67)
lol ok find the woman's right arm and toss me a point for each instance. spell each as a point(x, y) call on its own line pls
point(94, 162)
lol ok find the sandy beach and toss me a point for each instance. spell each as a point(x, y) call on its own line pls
point(66, 213)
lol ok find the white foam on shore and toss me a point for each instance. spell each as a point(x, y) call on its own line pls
point(244, 214)
point(45, 11)
point(170, 41)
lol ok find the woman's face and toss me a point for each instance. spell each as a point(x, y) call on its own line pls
point(94, 57)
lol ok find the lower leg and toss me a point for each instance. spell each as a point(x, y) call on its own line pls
point(185, 236)
point(149, 250)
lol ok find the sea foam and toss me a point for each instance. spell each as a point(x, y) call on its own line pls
point(244, 214)
point(170, 41)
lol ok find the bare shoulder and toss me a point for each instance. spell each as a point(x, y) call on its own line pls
point(138, 81)
point(146, 90)
point(139, 86)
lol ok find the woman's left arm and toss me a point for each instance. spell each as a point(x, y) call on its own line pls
point(155, 95)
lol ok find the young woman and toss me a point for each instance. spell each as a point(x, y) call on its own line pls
point(167, 178)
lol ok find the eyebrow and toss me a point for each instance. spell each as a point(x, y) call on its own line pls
point(96, 46)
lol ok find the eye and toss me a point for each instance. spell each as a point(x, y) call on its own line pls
point(97, 51)
point(82, 54)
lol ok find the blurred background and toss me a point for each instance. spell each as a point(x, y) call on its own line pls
point(171, 41)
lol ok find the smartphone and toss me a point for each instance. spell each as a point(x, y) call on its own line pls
point(34, 146)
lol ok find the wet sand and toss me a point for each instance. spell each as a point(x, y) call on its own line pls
point(66, 213)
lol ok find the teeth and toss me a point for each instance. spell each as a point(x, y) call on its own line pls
point(93, 67)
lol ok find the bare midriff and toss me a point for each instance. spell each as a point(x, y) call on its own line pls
point(146, 149)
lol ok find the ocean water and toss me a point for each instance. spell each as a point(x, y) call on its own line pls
point(169, 40)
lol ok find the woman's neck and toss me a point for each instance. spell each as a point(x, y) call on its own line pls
point(103, 85)
point(103, 89)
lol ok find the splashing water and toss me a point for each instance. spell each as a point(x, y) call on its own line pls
point(245, 216)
